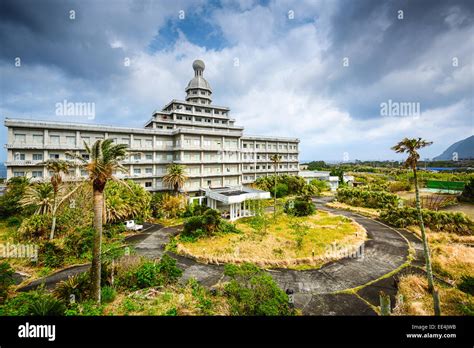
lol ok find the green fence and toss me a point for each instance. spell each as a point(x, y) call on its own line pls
point(445, 185)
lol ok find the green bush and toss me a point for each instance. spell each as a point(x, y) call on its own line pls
point(13, 221)
point(79, 243)
point(436, 221)
point(299, 207)
point(51, 254)
point(35, 227)
point(253, 292)
point(6, 279)
point(86, 308)
point(367, 198)
point(467, 284)
point(37, 302)
point(281, 190)
point(108, 294)
point(397, 186)
point(147, 274)
point(10, 200)
point(467, 194)
point(75, 288)
point(205, 225)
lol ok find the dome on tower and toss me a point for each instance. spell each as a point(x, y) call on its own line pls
point(198, 81)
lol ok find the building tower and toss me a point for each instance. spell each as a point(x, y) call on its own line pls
point(198, 90)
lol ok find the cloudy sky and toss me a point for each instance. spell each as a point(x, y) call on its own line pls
point(317, 70)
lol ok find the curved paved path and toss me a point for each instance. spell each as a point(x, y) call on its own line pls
point(316, 292)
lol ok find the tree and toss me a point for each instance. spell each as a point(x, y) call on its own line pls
point(410, 146)
point(40, 196)
point(104, 159)
point(175, 177)
point(10, 201)
point(57, 167)
point(276, 159)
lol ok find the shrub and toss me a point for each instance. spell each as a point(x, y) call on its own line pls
point(172, 206)
point(86, 308)
point(320, 185)
point(367, 198)
point(281, 190)
point(37, 302)
point(10, 200)
point(35, 227)
point(51, 254)
point(6, 279)
point(207, 224)
point(47, 305)
point(13, 221)
point(299, 207)
point(436, 221)
point(79, 243)
point(253, 292)
point(397, 186)
point(147, 274)
point(467, 194)
point(467, 284)
point(75, 288)
point(108, 294)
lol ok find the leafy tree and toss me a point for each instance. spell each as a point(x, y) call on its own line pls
point(104, 159)
point(175, 177)
point(10, 202)
point(6, 279)
point(411, 147)
point(124, 202)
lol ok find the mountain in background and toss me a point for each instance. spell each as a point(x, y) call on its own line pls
point(464, 148)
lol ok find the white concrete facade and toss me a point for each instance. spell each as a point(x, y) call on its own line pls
point(193, 132)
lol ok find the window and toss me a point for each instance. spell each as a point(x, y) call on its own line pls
point(126, 141)
point(85, 156)
point(149, 156)
point(188, 108)
point(37, 157)
point(137, 171)
point(198, 119)
point(71, 140)
point(149, 143)
point(137, 156)
point(148, 184)
point(84, 172)
point(20, 138)
point(159, 143)
point(137, 143)
point(149, 170)
point(179, 117)
point(169, 127)
point(37, 174)
point(16, 174)
point(37, 138)
point(54, 155)
point(54, 139)
point(169, 157)
point(199, 110)
point(209, 182)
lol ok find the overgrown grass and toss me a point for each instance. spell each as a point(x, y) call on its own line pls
point(416, 300)
point(277, 247)
point(369, 212)
point(191, 299)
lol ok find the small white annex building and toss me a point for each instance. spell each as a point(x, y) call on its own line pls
point(232, 201)
point(333, 181)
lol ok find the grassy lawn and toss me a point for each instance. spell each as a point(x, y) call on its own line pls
point(278, 247)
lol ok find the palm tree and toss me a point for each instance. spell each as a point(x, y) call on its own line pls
point(410, 146)
point(276, 159)
point(175, 177)
point(39, 195)
point(57, 167)
point(104, 159)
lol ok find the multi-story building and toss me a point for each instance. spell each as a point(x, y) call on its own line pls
point(193, 132)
